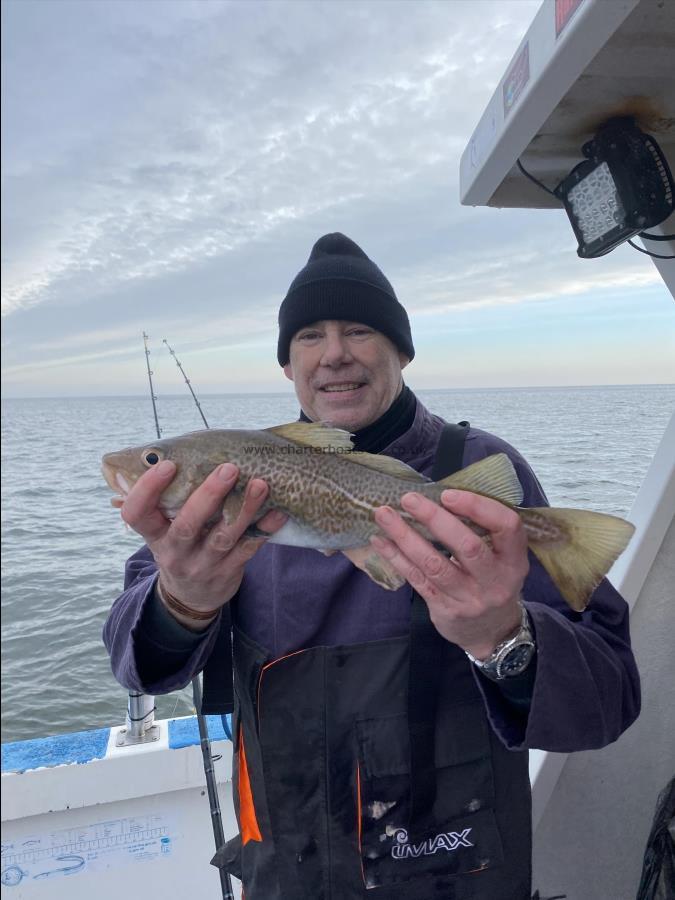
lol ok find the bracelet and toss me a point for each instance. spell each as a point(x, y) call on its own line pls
point(175, 604)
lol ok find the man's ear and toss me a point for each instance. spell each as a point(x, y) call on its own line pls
point(403, 359)
point(288, 371)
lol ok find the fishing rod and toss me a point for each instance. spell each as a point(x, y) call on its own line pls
point(211, 786)
point(187, 381)
point(204, 741)
point(153, 396)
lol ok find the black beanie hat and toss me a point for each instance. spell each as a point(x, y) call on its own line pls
point(341, 282)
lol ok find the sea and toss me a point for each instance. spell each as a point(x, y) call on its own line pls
point(64, 546)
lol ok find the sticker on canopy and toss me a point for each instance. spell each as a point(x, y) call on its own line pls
point(117, 842)
point(516, 79)
point(564, 10)
point(482, 140)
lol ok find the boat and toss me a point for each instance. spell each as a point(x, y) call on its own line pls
point(581, 65)
point(125, 809)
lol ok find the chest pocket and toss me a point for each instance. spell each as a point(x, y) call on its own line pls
point(459, 834)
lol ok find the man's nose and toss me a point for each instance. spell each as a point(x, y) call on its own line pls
point(335, 350)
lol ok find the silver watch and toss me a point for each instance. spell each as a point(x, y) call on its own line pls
point(510, 657)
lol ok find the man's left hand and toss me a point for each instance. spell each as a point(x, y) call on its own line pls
point(473, 598)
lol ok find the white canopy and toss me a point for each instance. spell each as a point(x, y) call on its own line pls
point(581, 63)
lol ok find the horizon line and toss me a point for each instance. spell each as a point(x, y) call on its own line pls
point(521, 387)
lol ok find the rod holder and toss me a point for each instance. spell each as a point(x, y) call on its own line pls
point(140, 725)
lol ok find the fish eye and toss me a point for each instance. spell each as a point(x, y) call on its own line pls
point(151, 457)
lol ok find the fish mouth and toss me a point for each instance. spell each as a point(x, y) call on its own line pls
point(115, 479)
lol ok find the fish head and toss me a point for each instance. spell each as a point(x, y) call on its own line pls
point(191, 454)
point(123, 468)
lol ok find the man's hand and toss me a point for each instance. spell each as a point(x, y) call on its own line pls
point(473, 598)
point(200, 566)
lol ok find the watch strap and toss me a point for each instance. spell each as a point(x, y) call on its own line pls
point(522, 643)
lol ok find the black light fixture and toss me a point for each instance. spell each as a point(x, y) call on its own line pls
point(622, 187)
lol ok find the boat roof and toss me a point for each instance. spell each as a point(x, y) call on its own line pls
point(580, 63)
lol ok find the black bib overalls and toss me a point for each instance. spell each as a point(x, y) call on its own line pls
point(326, 786)
point(325, 801)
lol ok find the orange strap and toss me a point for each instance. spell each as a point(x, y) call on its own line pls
point(248, 822)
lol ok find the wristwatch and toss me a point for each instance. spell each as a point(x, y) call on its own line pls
point(510, 657)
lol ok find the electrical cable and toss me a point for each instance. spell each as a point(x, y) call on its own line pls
point(657, 237)
point(647, 253)
point(143, 718)
point(535, 180)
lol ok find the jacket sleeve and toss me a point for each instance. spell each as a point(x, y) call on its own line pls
point(586, 688)
point(149, 651)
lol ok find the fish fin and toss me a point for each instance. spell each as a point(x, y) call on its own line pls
point(376, 567)
point(493, 477)
point(314, 434)
point(386, 464)
point(588, 545)
point(232, 505)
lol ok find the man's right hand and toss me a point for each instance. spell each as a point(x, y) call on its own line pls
point(201, 566)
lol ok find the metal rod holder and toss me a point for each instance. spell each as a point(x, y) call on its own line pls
point(140, 725)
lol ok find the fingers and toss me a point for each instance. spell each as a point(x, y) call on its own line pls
point(503, 523)
point(467, 548)
point(224, 537)
point(430, 578)
point(410, 554)
point(203, 504)
point(502, 527)
point(472, 598)
point(139, 509)
point(499, 556)
point(271, 522)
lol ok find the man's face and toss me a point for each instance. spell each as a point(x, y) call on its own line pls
point(345, 373)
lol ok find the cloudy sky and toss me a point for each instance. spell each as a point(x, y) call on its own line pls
point(168, 164)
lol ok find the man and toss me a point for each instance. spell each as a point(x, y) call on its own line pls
point(374, 750)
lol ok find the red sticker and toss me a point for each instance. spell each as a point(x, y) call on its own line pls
point(564, 10)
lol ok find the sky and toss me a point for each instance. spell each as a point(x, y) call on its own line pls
point(167, 166)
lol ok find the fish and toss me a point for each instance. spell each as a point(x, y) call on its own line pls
point(330, 492)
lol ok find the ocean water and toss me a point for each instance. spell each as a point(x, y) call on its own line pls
point(64, 546)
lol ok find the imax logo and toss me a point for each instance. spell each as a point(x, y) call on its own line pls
point(447, 840)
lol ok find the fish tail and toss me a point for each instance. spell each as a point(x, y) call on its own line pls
point(577, 547)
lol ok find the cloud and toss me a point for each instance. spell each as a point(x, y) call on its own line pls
point(212, 131)
point(167, 167)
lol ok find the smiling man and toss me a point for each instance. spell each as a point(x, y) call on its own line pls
point(380, 737)
point(346, 371)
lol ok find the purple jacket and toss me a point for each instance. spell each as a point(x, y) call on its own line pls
point(586, 689)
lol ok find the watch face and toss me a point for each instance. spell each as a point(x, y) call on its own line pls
point(516, 660)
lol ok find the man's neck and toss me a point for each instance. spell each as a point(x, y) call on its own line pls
point(390, 426)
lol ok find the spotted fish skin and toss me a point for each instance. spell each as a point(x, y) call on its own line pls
point(330, 494)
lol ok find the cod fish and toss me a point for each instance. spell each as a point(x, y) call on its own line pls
point(330, 492)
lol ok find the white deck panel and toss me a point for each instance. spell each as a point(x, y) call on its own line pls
point(134, 824)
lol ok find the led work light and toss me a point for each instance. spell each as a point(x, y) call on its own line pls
point(622, 187)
